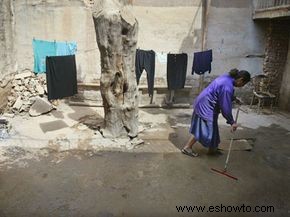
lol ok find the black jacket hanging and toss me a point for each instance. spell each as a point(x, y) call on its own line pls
point(61, 76)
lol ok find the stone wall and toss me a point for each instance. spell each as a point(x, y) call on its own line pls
point(276, 53)
point(285, 87)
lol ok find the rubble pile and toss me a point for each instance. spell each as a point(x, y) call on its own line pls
point(26, 86)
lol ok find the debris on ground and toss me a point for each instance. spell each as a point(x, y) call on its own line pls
point(4, 128)
point(40, 106)
point(26, 86)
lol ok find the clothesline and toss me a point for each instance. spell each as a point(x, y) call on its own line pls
point(42, 49)
point(171, 52)
point(145, 60)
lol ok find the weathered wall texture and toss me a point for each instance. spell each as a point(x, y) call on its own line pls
point(232, 34)
point(7, 64)
point(237, 41)
point(165, 3)
point(164, 26)
point(169, 29)
point(285, 87)
point(66, 20)
point(276, 53)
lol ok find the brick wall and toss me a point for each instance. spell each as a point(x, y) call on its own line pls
point(276, 53)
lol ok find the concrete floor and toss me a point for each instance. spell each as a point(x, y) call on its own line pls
point(149, 180)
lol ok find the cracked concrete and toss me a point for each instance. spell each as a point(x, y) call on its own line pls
point(70, 172)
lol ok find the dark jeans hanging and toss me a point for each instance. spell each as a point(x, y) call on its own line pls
point(176, 70)
point(146, 60)
point(61, 76)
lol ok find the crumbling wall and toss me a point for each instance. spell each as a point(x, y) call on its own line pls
point(285, 87)
point(276, 53)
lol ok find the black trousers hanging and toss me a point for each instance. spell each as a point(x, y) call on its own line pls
point(146, 60)
point(176, 70)
point(61, 76)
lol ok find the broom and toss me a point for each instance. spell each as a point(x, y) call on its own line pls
point(224, 171)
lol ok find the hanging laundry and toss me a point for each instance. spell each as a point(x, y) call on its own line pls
point(162, 57)
point(176, 70)
point(145, 59)
point(41, 50)
point(61, 76)
point(66, 48)
point(202, 62)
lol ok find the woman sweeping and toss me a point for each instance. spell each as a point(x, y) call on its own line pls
point(216, 98)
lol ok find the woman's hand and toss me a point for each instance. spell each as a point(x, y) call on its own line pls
point(234, 127)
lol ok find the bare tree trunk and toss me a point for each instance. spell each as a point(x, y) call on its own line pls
point(116, 31)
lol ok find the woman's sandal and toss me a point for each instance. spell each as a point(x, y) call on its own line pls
point(189, 153)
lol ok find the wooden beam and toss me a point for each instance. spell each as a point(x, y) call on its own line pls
point(272, 13)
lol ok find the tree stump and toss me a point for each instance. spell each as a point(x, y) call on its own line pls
point(116, 31)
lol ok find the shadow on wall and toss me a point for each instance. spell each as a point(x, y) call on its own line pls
point(193, 38)
point(192, 42)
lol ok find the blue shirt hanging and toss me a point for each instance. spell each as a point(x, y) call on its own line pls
point(202, 62)
point(41, 50)
point(66, 48)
